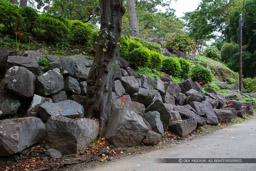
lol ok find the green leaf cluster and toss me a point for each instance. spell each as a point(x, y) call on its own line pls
point(201, 74)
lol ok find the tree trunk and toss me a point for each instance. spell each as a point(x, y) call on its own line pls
point(14, 1)
point(23, 3)
point(133, 21)
point(101, 76)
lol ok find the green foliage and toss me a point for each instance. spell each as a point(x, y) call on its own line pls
point(9, 17)
point(250, 84)
point(185, 66)
point(156, 60)
point(82, 33)
point(44, 61)
point(180, 42)
point(214, 86)
point(232, 80)
point(30, 18)
point(172, 67)
point(213, 53)
point(139, 57)
point(201, 74)
point(51, 29)
point(151, 73)
point(150, 45)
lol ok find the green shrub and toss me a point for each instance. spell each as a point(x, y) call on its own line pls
point(134, 45)
point(150, 45)
point(212, 52)
point(30, 18)
point(82, 33)
point(185, 66)
point(228, 50)
point(123, 50)
point(249, 84)
point(139, 57)
point(151, 73)
point(51, 29)
point(155, 61)
point(172, 67)
point(201, 74)
point(44, 61)
point(9, 17)
point(180, 42)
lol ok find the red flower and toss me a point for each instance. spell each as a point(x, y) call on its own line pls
point(201, 83)
point(123, 98)
point(205, 85)
point(230, 104)
point(16, 32)
point(164, 72)
point(224, 61)
point(30, 36)
point(21, 34)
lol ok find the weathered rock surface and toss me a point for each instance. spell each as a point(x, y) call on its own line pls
point(152, 138)
point(118, 88)
point(126, 128)
point(70, 136)
point(29, 63)
point(83, 86)
point(72, 85)
point(194, 95)
point(79, 99)
point(20, 81)
point(130, 84)
point(249, 107)
point(153, 118)
point(36, 102)
point(241, 113)
point(159, 85)
point(211, 117)
point(33, 55)
point(224, 116)
point(236, 104)
point(198, 107)
point(188, 114)
point(67, 108)
point(4, 53)
point(181, 99)
point(183, 128)
point(9, 104)
point(60, 96)
point(173, 89)
point(146, 96)
point(146, 82)
point(49, 83)
point(187, 85)
point(129, 105)
point(19, 134)
point(167, 98)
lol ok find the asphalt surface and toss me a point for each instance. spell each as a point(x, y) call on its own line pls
point(236, 141)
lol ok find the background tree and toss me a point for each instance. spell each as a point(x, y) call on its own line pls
point(133, 21)
point(101, 76)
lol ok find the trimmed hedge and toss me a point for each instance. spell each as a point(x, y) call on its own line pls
point(139, 57)
point(172, 67)
point(201, 74)
point(185, 66)
point(213, 53)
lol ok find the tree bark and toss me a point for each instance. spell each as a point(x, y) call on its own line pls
point(14, 1)
point(23, 3)
point(133, 21)
point(101, 76)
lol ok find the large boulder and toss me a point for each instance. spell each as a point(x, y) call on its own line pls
point(219, 98)
point(67, 108)
point(167, 98)
point(72, 85)
point(19, 134)
point(129, 105)
point(181, 99)
point(131, 72)
point(212, 101)
point(193, 95)
point(130, 84)
point(49, 83)
point(70, 136)
point(187, 85)
point(146, 96)
point(173, 89)
point(188, 114)
point(159, 85)
point(153, 118)
point(36, 102)
point(9, 104)
point(224, 116)
point(4, 53)
point(76, 66)
point(60, 96)
point(33, 55)
point(183, 128)
point(198, 107)
point(249, 107)
point(236, 104)
point(146, 82)
point(211, 117)
point(152, 138)
point(83, 86)
point(118, 88)
point(29, 63)
point(20, 81)
point(122, 62)
point(160, 107)
point(126, 128)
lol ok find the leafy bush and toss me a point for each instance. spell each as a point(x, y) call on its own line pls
point(250, 84)
point(201, 74)
point(172, 67)
point(44, 61)
point(155, 61)
point(185, 66)
point(30, 18)
point(180, 42)
point(150, 45)
point(139, 57)
point(151, 73)
point(212, 52)
point(134, 45)
point(9, 17)
point(51, 29)
point(82, 33)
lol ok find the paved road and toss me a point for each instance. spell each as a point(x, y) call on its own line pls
point(237, 141)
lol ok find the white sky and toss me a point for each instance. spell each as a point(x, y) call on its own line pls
point(182, 6)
